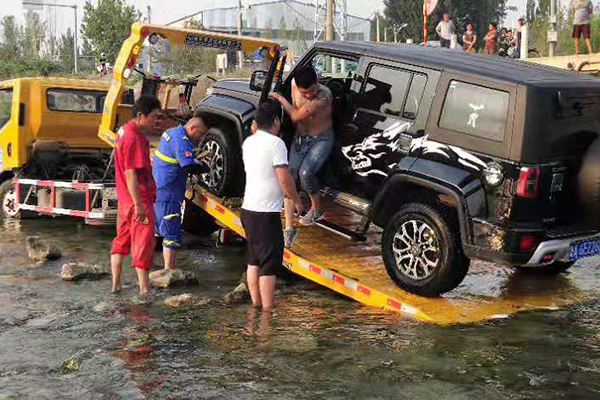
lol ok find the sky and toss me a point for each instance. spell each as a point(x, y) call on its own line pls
point(165, 11)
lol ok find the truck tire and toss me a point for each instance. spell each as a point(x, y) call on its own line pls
point(422, 252)
point(8, 202)
point(197, 221)
point(225, 178)
point(552, 269)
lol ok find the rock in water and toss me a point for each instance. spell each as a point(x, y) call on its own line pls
point(41, 251)
point(76, 271)
point(186, 300)
point(170, 277)
point(73, 363)
point(240, 294)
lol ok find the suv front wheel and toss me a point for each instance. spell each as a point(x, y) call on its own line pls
point(421, 252)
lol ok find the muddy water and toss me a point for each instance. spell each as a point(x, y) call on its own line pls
point(75, 341)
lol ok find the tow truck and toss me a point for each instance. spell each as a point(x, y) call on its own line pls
point(351, 266)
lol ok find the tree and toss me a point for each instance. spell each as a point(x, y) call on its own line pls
point(193, 23)
point(9, 48)
point(65, 49)
point(107, 25)
point(34, 34)
point(405, 12)
point(531, 8)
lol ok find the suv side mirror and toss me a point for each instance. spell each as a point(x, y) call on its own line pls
point(257, 81)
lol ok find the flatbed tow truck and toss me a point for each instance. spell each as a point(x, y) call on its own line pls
point(353, 268)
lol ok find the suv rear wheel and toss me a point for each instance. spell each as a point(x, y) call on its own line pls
point(226, 166)
point(421, 252)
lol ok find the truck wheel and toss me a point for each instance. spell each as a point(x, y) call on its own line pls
point(422, 252)
point(552, 269)
point(8, 202)
point(225, 164)
point(197, 221)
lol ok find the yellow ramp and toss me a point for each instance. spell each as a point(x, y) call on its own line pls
point(355, 269)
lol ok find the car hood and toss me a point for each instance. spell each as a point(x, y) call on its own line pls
point(235, 85)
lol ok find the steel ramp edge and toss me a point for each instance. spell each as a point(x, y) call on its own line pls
point(348, 268)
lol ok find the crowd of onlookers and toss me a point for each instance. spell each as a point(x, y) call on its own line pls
point(507, 42)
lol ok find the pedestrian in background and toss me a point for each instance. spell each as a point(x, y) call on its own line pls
point(469, 39)
point(267, 179)
point(136, 193)
point(173, 161)
point(491, 40)
point(445, 29)
point(582, 11)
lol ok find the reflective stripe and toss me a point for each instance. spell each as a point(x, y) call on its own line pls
point(170, 243)
point(165, 158)
point(167, 217)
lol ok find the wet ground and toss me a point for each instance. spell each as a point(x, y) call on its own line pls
point(75, 341)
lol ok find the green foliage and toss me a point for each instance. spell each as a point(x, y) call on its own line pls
point(181, 60)
point(65, 49)
point(30, 67)
point(9, 46)
point(34, 34)
point(107, 25)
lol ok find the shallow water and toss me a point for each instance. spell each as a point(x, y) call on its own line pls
point(315, 345)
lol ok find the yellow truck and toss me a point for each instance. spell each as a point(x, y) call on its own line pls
point(48, 131)
point(57, 134)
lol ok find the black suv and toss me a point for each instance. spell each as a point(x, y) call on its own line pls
point(457, 156)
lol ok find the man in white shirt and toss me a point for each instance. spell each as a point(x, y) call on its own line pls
point(267, 179)
point(445, 29)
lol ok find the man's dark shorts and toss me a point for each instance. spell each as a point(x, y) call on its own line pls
point(265, 240)
point(579, 30)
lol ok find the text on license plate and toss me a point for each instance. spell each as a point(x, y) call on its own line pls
point(585, 248)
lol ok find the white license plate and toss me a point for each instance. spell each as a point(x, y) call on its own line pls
point(584, 249)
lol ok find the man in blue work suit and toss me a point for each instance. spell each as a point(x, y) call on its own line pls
point(173, 161)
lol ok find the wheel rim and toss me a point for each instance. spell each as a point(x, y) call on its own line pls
point(214, 177)
point(416, 249)
point(9, 204)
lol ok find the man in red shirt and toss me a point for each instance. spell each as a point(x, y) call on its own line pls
point(136, 194)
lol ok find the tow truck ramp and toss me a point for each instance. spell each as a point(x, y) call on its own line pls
point(356, 270)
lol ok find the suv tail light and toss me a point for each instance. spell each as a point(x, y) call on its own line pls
point(529, 182)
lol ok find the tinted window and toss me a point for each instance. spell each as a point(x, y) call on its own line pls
point(476, 110)
point(385, 90)
point(413, 101)
point(5, 106)
point(328, 66)
point(75, 100)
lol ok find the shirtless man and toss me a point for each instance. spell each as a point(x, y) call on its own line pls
point(314, 139)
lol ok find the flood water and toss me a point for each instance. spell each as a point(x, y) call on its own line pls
point(63, 340)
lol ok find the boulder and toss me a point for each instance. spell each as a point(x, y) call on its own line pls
point(171, 277)
point(186, 300)
point(76, 271)
point(73, 363)
point(41, 251)
point(240, 294)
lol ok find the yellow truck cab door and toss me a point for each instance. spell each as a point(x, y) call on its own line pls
point(9, 126)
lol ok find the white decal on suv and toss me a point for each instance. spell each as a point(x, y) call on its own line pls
point(464, 157)
point(474, 116)
point(368, 156)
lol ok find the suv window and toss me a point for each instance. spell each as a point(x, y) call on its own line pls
point(75, 100)
point(5, 106)
point(328, 66)
point(386, 91)
point(475, 110)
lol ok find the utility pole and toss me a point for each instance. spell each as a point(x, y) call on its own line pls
point(149, 44)
point(378, 27)
point(552, 34)
point(75, 51)
point(239, 26)
point(329, 20)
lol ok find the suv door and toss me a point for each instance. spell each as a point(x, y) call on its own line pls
point(393, 99)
